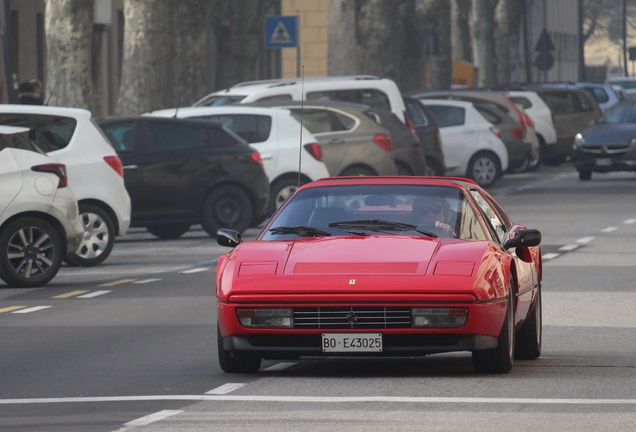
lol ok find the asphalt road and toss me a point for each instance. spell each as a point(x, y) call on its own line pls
point(130, 345)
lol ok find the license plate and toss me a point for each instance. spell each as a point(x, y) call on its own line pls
point(352, 342)
point(603, 162)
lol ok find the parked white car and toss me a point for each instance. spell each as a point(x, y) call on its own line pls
point(276, 136)
point(39, 219)
point(95, 173)
point(471, 146)
point(381, 93)
point(540, 115)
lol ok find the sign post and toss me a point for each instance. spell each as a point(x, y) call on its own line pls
point(282, 32)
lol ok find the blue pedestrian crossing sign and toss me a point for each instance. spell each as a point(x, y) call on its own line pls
point(281, 31)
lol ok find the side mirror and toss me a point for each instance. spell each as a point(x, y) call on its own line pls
point(525, 238)
point(228, 237)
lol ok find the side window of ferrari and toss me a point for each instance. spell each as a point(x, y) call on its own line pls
point(468, 226)
point(491, 216)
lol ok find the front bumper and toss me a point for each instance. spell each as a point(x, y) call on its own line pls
point(604, 159)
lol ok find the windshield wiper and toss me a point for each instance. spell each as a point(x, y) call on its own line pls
point(301, 231)
point(382, 225)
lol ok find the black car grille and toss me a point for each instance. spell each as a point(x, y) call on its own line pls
point(606, 150)
point(352, 317)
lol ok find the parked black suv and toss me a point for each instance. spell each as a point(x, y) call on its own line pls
point(181, 172)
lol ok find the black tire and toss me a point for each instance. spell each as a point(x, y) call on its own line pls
point(168, 232)
point(499, 360)
point(484, 168)
point(585, 175)
point(404, 169)
point(357, 171)
point(432, 168)
point(99, 237)
point(226, 207)
point(529, 337)
point(31, 252)
point(232, 363)
point(279, 191)
point(535, 162)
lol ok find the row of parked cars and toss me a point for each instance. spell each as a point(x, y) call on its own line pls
point(234, 157)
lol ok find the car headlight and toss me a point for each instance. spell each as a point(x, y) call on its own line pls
point(439, 317)
point(578, 141)
point(265, 318)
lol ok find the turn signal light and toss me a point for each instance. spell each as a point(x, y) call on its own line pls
point(315, 150)
point(115, 163)
point(517, 133)
point(56, 168)
point(256, 156)
point(265, 318)
point(439, 317)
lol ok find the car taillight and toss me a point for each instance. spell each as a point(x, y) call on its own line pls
point(115, 163)
point(496, 131)
point(383, 141)
point(409, 123)
point(56, 168)
point(517, 133)
point(315, 150)
point(256, 156)
point(529, 120)
point(522, 116)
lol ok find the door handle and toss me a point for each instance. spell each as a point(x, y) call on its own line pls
point(130, 167)
point(266, 156)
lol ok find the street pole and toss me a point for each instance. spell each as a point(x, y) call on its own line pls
point(625, 73)
point(10, 73)
point(581, 42)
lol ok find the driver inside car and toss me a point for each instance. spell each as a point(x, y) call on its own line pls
point(434, 211)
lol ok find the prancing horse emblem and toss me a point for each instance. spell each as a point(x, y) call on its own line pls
point(351, 317)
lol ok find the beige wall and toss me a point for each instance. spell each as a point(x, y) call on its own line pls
point(312, 29)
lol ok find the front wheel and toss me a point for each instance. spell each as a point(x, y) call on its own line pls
point(500, 359)
point(529, 337)
point(233, 363)
point(98, 240)
point(585, 175)
point(226, 207)
point(484, 168)
point(30, 252)
point(357, 171)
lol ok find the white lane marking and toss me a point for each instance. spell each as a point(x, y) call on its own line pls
point(279, 366)
point(195, 270)
point(31, 309)
point(145, 281)
point(629, 221)
point(335, 399)
point(549, 256)
point(609, 229)
point(225, 388)
point(153, 418)
point(585, 239)
point(94, 294)
point(569, 247)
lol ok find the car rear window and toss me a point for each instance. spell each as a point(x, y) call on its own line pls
point(120, 135)
point(323, 121)
point(416, 113)
point(560, 102)
point(252, 128)
point(371, 97)
point(446, 116)
point(53, 132)
point(599, 94)
point(489, 116)
point(166, 136)
point(18, 141)
point(524, 102)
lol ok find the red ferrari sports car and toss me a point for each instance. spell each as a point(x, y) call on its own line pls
point(382, 266)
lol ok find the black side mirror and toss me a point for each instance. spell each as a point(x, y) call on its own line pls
point(525, 238)
point(228, 237)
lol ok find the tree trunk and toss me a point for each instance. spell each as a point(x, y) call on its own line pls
point(508, 23)
point(442, 59)
point(342, 37)
point(238, 26)
point(482, 30)
point(461, 39)
point(147, 41)
point(69, 28)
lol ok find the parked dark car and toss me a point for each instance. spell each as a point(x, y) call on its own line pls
point(428, 132)
point(609, 144)
point(181, 172)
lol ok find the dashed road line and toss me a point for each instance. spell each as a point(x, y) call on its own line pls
point(31, 309)
point(117, 282)
point(70, 294)
point(146, 420)
point(609, 229)
point(11, 308)
point(585, 240)
point(550, 256)
point(145, 281)
point(569, 247)
point(195, 270)
point(94, 294)
point(225, 389)
point(629, 221)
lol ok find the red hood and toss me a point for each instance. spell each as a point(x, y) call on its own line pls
point(355, 265)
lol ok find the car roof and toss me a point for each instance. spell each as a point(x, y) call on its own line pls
point(250, 87)
point(326, 104)
point(458, 182)
point(234, 109)
point(43, 109)
point(449, 102)
point(185, 121)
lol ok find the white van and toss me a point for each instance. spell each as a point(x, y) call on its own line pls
point(368, 90)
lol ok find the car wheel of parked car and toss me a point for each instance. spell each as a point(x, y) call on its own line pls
point(357, 171)
point(99, 237)
point(484, 169)
point(403, 169)
point(226, 207)
point(535, 161)
point(172, 231)
point(30, 252)
point(432, 169)
point(233, 363)
point(279, 192)
point(585, 175)
point(501, 358)
point(529, 337)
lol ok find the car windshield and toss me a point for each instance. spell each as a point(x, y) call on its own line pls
point(218, 100)
point(370, 209)
point(620, 113)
